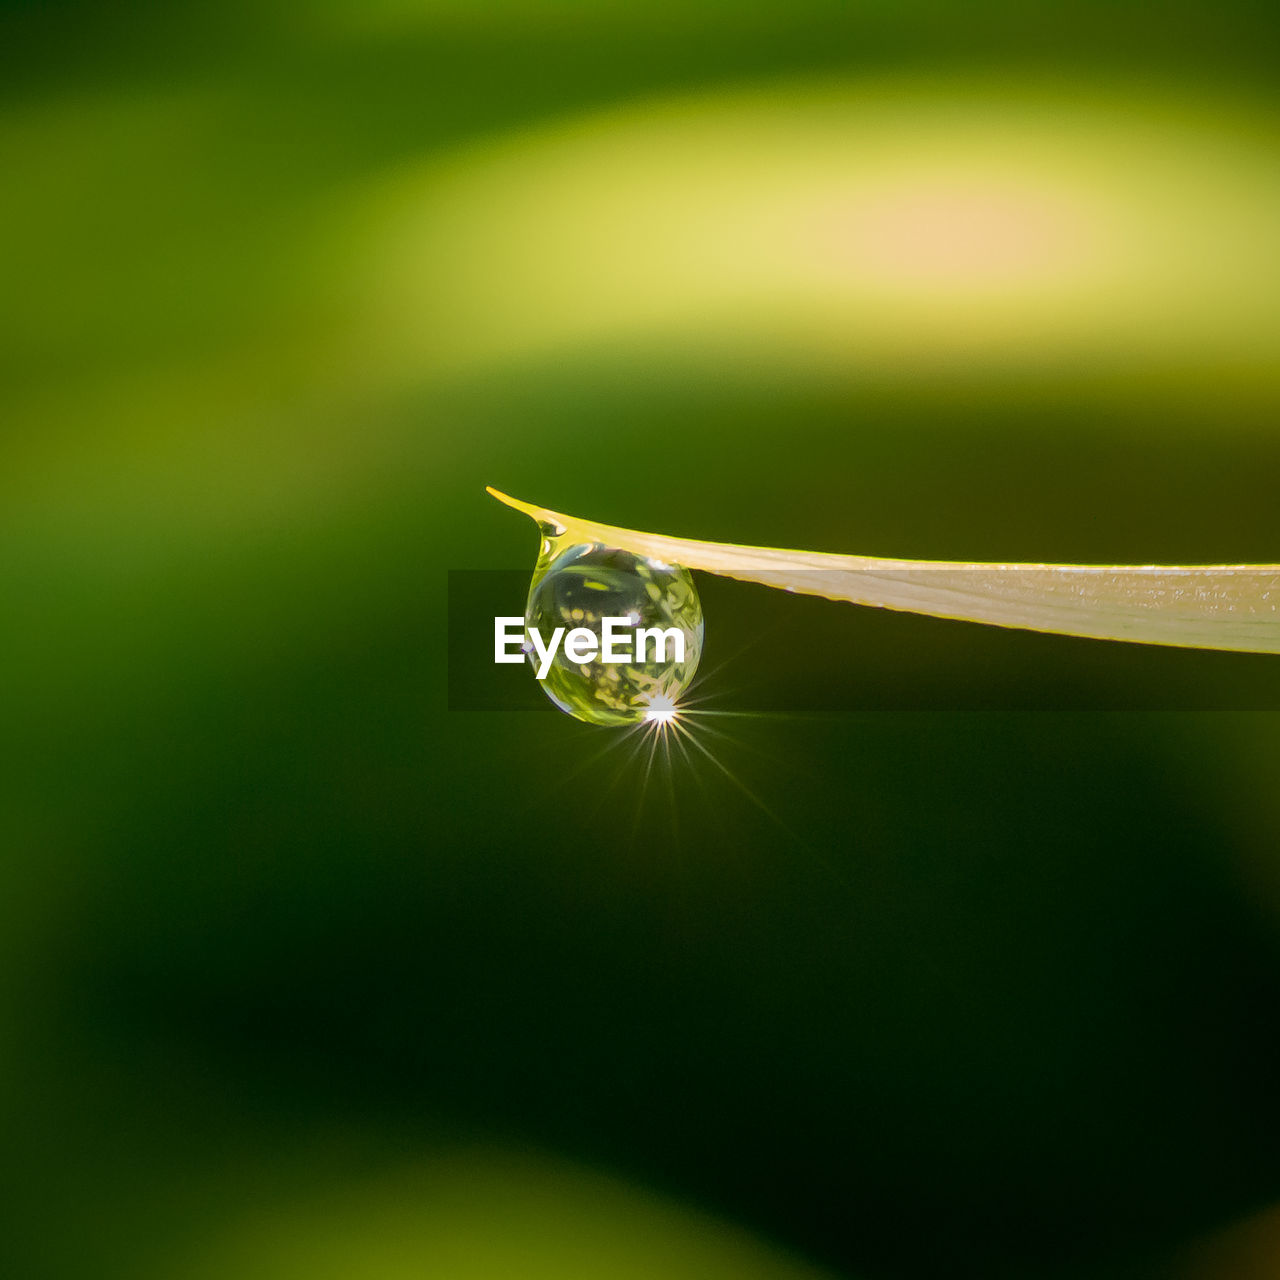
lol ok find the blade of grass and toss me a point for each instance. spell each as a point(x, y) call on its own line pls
point(1221, 606)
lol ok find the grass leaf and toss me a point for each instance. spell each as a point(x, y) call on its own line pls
point(1221, 606)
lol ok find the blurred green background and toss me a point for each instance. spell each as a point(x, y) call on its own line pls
point(302, 974)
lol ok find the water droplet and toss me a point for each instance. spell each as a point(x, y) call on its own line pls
point(584, 583)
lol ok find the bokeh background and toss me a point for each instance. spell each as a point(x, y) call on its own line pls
point(302, 973)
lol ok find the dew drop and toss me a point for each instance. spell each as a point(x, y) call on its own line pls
point(582, 584)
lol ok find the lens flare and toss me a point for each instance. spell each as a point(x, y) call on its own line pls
point(662, 711)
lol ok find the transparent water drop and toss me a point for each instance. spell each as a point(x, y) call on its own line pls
point(582, 584)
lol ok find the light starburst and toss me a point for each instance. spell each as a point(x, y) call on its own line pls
point(662, 711)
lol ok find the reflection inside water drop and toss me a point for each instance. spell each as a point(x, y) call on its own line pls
point(582, 584)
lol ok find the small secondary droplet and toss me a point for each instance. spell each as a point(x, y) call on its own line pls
point(582, 584)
